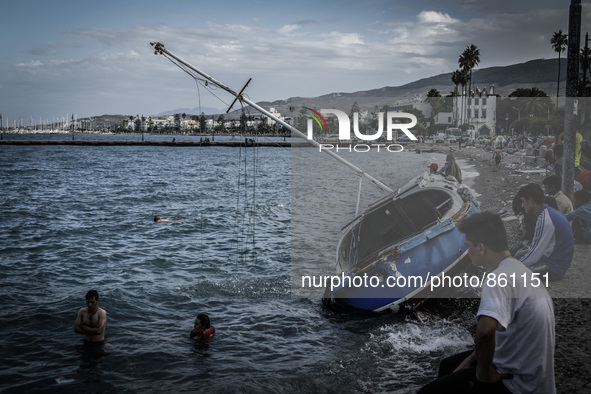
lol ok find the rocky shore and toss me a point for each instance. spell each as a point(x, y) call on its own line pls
point(496, 189)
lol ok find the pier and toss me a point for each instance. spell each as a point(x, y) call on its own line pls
point(285, 144)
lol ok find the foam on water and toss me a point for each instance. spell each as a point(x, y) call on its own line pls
point(424, 338)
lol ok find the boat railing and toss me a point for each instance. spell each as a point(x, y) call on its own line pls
point(443, 204)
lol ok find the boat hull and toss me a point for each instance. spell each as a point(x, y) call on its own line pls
point(401, 276)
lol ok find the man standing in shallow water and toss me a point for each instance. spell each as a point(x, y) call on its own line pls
point(92, 320)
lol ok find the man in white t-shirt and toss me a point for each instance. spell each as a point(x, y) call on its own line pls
point(515, 333)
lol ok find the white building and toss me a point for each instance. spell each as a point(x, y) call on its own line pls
point(479, 111)
point(159, 123)
point(190, 125)
point(273, 111)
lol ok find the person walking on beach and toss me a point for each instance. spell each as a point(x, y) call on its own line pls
point(551, 250)
point(548, 156)
point(515, 333)
point(498, 155)
point(92, 320)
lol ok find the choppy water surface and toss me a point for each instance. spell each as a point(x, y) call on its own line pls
point(75, 218)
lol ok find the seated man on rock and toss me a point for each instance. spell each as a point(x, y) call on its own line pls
point(551, 250)
point(581, 217)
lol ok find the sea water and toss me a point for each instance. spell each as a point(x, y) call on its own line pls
point(80, 217)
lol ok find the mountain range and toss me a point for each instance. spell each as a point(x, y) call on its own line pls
point(540, 73)
point(192, 111)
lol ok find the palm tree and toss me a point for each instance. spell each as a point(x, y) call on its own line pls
point(458, 77)
point(532, 102)
point(455, 78)
point(434, 100)
point(584, 58)
point(202, 123)
point(559, 42)
point(467, 61)
point(150, 124)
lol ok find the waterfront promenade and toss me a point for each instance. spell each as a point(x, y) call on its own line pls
point(144, 143)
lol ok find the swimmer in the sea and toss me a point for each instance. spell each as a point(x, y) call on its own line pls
point(92, 320)
point(202, 328)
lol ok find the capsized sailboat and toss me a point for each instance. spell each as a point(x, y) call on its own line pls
point(400, 242)
point(388, 256)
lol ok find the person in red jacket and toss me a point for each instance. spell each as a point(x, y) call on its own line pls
point(203, 328)
point(583, 179)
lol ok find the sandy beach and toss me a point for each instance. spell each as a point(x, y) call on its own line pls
point(495, 189)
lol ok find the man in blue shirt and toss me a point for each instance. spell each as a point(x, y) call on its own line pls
point(581, 217)
point(552, 247)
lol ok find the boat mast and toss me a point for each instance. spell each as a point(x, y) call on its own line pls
point(160, 49)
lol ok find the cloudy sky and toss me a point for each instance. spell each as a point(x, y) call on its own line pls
point(93, 57)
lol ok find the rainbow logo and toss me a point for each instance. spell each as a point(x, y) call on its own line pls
point(316, 115)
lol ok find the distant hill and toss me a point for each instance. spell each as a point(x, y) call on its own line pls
point(192, 111)
point(541, 73)
point(531, 73)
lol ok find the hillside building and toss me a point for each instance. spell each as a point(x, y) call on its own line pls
point(479, 110)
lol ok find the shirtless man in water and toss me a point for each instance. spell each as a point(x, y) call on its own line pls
point(92, 320)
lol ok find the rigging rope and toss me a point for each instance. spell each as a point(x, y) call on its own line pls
point(197, 79)
point(248, 222)
point(249, 208)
